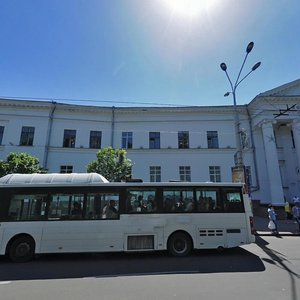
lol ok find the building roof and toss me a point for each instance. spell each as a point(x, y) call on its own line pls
point(289, 89)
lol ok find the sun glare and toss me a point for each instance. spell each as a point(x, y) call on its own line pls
point(187, 8)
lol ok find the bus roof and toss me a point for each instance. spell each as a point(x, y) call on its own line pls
point(52, 178)
point(94, 179)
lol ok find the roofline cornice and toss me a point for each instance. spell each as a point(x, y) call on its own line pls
point(126, 110)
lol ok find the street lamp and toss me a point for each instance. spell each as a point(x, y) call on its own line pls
point(239, 164)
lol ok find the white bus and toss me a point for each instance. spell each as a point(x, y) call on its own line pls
point(72, 213)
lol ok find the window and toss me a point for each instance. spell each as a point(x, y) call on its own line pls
point(69, 138)
point(215, 173)
point(65, 206)
point(95, 139)
point(183, 139)
point(185, 173)
point(155, 174)
point(141, 201)
point(127, 140)
point(212, 139)
point(27, 207)
point(66, 169)
point(102, 206)
point(1, 134)
point(208, 200)
point(27, 135)
point(154, 140)
point(233, 201)
point(178, 200)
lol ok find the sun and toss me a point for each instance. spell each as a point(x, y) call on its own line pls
point(189, 8)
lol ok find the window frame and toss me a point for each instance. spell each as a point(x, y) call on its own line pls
point(68, 169)
point(212, 139)
point(155, 173)
point(127, 139)
point(214, 173)
point(69, 139)
point(185, 173)
point(183, 140)
point(154, 140)
point(27, 136)
point(95, 139)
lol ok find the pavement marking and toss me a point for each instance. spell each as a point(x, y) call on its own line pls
point(5, 282)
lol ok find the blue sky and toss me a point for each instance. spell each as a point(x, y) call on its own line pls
point(134, 52)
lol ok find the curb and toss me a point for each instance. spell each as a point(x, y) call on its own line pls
point(264, 233)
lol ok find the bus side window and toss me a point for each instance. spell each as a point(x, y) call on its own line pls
point(102, 206)
point(233, 201)
point(93, 207)
point(27, 207)
point(65, 207)
point(201, 204)
point(208, 200)
point(141, 201)
point(111, 206)
point(178, 200)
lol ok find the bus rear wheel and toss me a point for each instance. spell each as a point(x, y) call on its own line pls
point(180, 244)
point(21, 249)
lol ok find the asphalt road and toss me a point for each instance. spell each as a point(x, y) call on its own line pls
point(269, 269)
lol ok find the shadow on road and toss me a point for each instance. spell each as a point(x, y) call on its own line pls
point(278, 259)
point(124, 264)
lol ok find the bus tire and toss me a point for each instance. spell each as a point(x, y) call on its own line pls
point(21, 249)
point(180, 244)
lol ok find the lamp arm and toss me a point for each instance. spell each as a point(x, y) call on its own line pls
point(232, 89)
point(236, 85)
point(237, 79)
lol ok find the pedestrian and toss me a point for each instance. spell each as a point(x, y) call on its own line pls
point(296, 199)
point(296, 213)
point(272, 218)
point(287, 209)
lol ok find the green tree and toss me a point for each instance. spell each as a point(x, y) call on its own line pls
point(20, 163)
point(112, 164)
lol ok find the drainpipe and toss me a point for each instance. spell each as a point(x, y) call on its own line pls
point(49, 131)
point(112, 126)
point(257, 187)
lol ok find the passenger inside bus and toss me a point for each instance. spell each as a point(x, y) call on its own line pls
point(76, 211)
point(190, 205)
point(110, 211)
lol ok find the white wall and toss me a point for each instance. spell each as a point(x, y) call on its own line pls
point(168, 121)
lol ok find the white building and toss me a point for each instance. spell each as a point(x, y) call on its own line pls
point(167, 143)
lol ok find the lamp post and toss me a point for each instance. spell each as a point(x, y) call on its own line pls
point(239, 163)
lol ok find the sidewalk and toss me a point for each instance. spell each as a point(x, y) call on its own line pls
point(285, 227)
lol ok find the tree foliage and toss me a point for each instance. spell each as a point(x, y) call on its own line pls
point(112, 164)
point(22, 163)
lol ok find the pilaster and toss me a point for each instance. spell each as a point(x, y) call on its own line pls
point(274, 177)
point(296, 134)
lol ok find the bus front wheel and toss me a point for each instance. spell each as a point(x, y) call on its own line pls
point(180, 244)
point(21, 249)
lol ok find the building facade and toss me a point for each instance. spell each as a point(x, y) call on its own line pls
point(167, 143)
